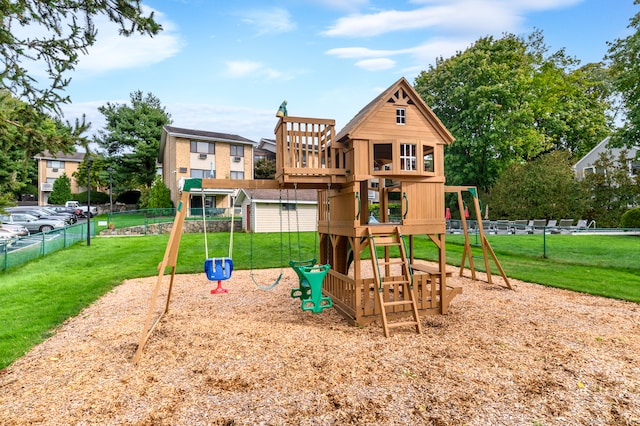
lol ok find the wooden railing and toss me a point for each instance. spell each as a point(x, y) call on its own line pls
point(306, 149)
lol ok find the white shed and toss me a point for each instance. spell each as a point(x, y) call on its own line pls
point(272, 210)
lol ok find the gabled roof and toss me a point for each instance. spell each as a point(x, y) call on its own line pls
point(75, 157)
point(202, 135)
point(372, 107)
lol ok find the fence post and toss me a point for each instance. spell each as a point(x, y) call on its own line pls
point(6, 257)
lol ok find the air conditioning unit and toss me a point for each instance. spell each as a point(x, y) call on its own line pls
point(203, 156)
point(46, 186)
point(54, 170)
point(237, 159)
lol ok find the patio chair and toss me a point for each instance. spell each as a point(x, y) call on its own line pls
point(521, 227)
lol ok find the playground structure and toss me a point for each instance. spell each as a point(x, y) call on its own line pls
point(392, 151)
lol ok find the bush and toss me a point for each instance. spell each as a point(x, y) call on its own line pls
point(631, 218)
point(96, 197)
point(128, 197)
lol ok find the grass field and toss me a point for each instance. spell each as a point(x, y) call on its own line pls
point(40, 295)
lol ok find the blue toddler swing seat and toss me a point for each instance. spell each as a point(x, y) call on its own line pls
point(217, 268)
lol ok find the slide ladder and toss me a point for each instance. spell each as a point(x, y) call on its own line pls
point(396, 285)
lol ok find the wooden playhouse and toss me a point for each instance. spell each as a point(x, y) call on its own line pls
point(391, 152)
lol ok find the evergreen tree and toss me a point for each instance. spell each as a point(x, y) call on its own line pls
point(61, 192)
point(159, 195)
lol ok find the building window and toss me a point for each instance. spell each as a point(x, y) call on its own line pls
point(203, 174)
point(291, 207)
point(408, 157)
point(634, 168)
point(401, 116)
point(51, 180)
point(237, 150)
point(237, 175)
point(203, 147)
point(55, 164)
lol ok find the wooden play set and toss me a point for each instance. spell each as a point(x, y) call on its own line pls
point(392, 152)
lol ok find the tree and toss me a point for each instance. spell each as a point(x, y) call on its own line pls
point(544, 188)
point(264, 169)
point(61, 192)
point(625, 71)
point(508, 101)
point(159, 195)
point(24, 133)
point(51, 36)
point(131, 138)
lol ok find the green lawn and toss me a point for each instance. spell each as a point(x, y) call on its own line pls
point(40, 295)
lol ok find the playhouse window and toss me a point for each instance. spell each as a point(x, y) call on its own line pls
point(427, 158)
point(401, 116)
point(408, 157)
point(382, 156)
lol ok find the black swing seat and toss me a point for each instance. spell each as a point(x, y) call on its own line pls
point(310, 289)
point(218, 268)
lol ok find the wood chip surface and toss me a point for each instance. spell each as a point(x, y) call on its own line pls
point(533, 356)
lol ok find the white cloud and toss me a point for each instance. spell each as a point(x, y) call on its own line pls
point(361, 52)
point(468, 16)
point(253, 69)
point(377, 64)
point(113, 51)
point(269, 21)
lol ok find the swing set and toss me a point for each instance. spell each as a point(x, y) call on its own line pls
point(220, 269)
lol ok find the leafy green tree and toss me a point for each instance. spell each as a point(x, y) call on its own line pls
point(25, 132)
point(131, 138)
point(61, 192)
point(625, 71)
point(544, 188)
point(508, 101)
point(264, 169)
point(51, 36)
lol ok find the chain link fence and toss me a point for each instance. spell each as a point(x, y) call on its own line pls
point(16, 252)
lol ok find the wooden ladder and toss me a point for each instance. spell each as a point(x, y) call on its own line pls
point(393, 239)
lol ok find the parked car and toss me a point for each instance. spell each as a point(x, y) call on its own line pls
point(19, 230)
point(6, 234)
point(85, 209)
point(32, 223)
point(40, 213)
point(72, 216)
point(62, 209)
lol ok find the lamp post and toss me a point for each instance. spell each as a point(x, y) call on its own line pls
point(89, 162)
point(110, 170)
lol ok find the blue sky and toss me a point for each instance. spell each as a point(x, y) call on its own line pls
point(225, 66)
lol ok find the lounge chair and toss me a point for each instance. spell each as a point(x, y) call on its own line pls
point(538, 225)
point(565, 225)
point(503, 227)
point(521, 227)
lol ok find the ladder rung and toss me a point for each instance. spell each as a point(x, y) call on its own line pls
point(392, 262)
point(387, 244)
point(387, 283)
point(398, 303)
point(401, 324)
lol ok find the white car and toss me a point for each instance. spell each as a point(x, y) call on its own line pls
point(18, 230)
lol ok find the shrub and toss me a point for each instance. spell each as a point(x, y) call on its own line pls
point(128, 197)
point(631, 218)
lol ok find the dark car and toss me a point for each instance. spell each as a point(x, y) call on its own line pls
point(62, 209)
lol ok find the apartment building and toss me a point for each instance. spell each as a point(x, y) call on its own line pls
point(52, 166)
point(189, 153)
